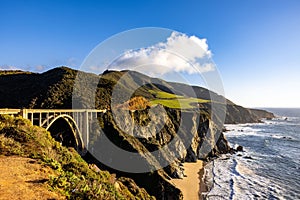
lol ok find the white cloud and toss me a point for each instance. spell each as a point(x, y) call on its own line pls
point(180, 53)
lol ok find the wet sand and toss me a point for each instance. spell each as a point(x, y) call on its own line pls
point(191, 185)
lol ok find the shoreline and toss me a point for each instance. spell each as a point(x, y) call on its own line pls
point(192, 185)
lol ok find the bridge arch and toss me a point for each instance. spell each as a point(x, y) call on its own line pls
point(77, 122)
point(65, 130)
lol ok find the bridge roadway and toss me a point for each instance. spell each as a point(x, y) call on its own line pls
point(79, 120)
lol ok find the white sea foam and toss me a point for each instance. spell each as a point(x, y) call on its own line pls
point(235, 179)
point(267, 169)
point(242, 131)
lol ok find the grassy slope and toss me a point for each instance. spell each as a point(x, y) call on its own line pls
point(74, 178)
point(175, 101)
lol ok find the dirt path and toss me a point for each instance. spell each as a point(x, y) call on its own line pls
point(190, 185)
point(23, 178)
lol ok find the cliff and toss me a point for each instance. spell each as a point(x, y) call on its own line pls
point(238, 115)
point(198, 131)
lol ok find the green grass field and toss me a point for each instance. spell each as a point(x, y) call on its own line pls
point(175, 101)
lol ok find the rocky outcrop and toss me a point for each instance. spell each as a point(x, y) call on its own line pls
point(262, 114)
point(238, 115)
point(183, 135)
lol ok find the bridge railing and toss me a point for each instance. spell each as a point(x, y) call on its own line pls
point(41, 117)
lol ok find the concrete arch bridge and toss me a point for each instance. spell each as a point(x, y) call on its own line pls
point(71, 127)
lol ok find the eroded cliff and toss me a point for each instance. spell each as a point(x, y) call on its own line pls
point(176, 136)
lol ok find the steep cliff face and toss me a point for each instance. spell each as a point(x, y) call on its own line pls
point(183, 135)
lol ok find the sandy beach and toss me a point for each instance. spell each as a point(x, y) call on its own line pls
point(190, 185)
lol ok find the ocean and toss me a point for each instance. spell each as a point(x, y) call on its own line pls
point(269, 167)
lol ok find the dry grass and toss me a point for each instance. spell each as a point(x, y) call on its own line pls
point(24, 178)
point(135, 103)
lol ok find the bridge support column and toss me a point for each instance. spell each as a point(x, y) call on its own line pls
point(85, 131)
point(31, 118)
point(24, 113)
point(47, 118)
point(40, 119)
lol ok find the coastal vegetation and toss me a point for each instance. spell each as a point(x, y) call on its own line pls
point(71, 176)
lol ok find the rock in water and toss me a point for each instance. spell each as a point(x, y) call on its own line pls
point(240, 148)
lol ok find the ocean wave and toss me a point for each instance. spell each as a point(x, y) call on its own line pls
point(236, 179)
point(267, 169)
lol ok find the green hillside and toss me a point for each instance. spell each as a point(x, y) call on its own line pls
point(72, 177)
point(175, 101)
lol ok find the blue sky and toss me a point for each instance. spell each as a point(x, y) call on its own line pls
point(255, 44)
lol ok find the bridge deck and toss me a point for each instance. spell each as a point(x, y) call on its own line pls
point(17, 111)
point(9, 111)
point(62, 110)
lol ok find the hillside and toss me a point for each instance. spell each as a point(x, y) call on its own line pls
point(36, 165)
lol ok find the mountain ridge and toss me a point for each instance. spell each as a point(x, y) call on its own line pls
point(58, 88)
point(54, 88)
